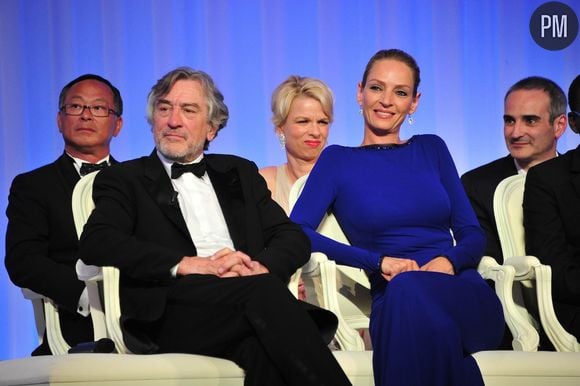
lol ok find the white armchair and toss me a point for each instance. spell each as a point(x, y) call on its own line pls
point(46, 319)
point(102, 283)
point(533, 297)
point(350, 317)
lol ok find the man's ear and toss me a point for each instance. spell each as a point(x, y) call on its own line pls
point(211, 133)
point(59, 121)
point(118, 126)
point(560, 124)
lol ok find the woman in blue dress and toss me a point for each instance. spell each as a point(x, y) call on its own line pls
point(412, 229)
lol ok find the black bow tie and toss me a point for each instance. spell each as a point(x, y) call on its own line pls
point(87, 168)
point(197, 168)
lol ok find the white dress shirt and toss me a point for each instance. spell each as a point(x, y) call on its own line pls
point(201, 210)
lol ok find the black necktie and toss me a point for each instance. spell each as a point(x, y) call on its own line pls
point(197, 168)
point(87, 168)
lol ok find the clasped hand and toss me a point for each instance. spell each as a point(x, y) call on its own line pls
point(392, 266)
point(224, 263)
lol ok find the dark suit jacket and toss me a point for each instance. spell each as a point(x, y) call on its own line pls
point(552, 223)
point(138, 227)
point(42, 243)
point(480, 185)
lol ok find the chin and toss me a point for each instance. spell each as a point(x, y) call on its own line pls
point(174, 153)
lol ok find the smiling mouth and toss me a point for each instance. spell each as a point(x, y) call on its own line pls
point(384, 114)
point(519, 143)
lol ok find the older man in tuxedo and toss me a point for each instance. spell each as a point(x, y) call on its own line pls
point(204, 253)
point(41, 239)
point(552, 221)
point(534, 118)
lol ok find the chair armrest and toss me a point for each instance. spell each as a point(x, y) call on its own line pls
point(523, 265)
point(347, 337)
point(560, 338)
point(93, 277)
point(46, 318)
point(38, 309)
point(530, 268)
point(110, 288)
point(525, 336)
point(295, 282)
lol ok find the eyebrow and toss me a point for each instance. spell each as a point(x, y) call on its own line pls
point(191, 104)
point(531, 116)
point(383, 83)
point(525, 116)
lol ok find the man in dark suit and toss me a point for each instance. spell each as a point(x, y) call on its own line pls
point(41, 239)
point(534, 118)
point(204, 253)
point(552, 221)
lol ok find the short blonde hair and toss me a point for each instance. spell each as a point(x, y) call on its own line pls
point(296, 86)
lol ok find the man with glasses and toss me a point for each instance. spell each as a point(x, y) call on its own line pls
point(41, 239)
point(552, 221)
point(534, 118)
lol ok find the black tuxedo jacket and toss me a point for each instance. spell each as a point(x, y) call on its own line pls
point(552, 223)
point(480, 185)
point(42, 243)
point(138, 227)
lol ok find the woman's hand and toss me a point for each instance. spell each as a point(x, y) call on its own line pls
point(392, 266)
point(439, 264)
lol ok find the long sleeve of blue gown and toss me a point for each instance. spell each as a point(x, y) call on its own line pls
point(403, 201)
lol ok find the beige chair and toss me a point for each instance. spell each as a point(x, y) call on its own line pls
point(341, 285)
point(533, 296)
point(46, 319)
point(102, 283)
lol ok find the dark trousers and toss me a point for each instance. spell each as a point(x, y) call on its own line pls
point(255, 322)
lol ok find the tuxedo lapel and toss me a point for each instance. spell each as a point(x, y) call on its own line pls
point(227, 186)
point(67, 173)
point(158, 185)
point(508, 167)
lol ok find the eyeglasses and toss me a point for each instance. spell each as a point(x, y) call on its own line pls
point(96, 110)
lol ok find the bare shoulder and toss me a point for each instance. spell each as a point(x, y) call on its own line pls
point(269, 174)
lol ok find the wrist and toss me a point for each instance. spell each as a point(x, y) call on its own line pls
point(380, 263)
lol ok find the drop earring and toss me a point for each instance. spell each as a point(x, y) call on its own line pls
point(411, 120)
point(282, 139)
point(360, 110)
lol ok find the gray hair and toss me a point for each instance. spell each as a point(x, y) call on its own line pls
point(555, 93)
point(217, 110)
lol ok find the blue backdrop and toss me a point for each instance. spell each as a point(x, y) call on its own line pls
point(470, 52)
